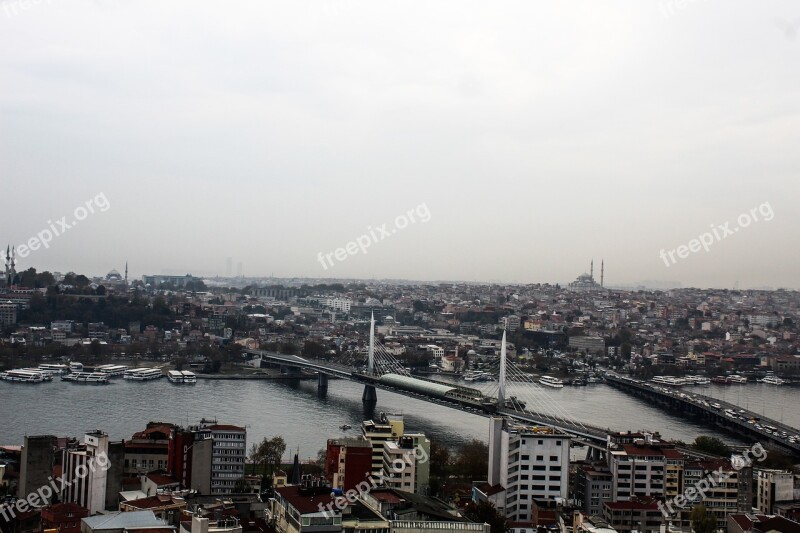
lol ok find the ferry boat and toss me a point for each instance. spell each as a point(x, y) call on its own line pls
point(772, 379)
point(22, 376)
point(550, 381)
point(113, 371)
point(54, 368)
point(175, 376)
point(721, 380)
point(670, 381)
point(143, 374)
point(697, 380)
point(189, 378)
point(477, 375)
point(47, 375)
point(94, 378)
point(736, 378)
point(76, 367)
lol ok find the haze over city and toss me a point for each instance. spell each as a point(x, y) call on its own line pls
point(538, 136)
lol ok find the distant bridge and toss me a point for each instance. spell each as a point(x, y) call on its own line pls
point(729, 417)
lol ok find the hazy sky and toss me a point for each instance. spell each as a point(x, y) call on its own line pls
point(537, 135)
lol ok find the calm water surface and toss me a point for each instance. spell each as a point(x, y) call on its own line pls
point(295, 411)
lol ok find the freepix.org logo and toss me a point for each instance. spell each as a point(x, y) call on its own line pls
point(62, 225)
point(375, 235)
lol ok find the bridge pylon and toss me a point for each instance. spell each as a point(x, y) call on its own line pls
point(370, 394)
point(501, 392)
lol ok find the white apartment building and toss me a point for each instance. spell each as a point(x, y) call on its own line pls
point(339, 304)
point(529, 462)
point(386, 428)
point(85, 473)
point(399, 470)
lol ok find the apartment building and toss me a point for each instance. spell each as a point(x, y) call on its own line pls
point(644, 468)
point(530, 462)
point(773, 486)
point(376, 432)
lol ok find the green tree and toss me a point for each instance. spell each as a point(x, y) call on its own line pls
point(472, 461)
point(486, 513)
point(702, 520)
point(711, 445)
point(440, 459)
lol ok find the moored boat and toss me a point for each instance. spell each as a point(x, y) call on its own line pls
point(550, 381)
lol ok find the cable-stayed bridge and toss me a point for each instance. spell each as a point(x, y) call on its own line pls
point(530, 403)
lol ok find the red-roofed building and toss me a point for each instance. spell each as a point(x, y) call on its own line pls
point(63, 517)
point(642, 515)
point(164, 506)
point(148, 450)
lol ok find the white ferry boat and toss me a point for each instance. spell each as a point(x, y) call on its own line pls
point(181, 377)
point(54, 368)
point(772, 379)
point(94, 378)
point(47, 375)
point(550, 381)
point(696, 380)
point(22, 376)
point(113, 371)
point(76, 367)
point(670, 381)
point(143, 374)
point(736, 378)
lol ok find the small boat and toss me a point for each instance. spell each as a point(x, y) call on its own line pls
point(550, 381)
point(772, 379)
point(345, 427)
point(736, 378)
point(721, 380)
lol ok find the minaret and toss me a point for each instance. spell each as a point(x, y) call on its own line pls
point(126, 272)
point(591, 270)
point(602, 271)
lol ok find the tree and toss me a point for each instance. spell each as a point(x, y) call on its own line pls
point(440, 459)
point(472, 461)
point(268, 454)
point(702, 520)
point(485, 512)
point(711, 445)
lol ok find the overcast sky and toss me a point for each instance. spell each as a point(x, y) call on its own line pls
point(537, 136)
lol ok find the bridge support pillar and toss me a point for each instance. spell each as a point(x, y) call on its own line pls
point(369, 396)
point(593, 454)
point(322, 381)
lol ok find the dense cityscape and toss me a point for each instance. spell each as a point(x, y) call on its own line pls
point(360, 266)
point(454, 344)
